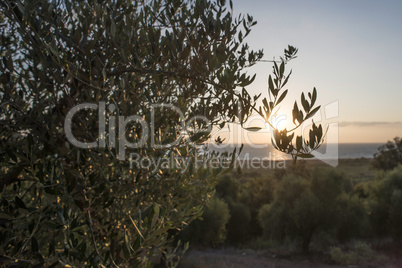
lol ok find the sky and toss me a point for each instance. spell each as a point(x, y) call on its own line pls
point(349, 50)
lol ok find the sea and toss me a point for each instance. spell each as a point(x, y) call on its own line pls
point(326, 151)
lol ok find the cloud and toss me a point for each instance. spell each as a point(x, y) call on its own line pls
point(367, 124)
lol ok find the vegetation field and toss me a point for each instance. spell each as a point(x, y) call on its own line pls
point(308, 215)
point(358, 169)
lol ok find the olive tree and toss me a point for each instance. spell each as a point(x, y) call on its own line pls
point(64, 204)
point(88, 86)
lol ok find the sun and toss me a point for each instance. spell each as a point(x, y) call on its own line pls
point(280, 122)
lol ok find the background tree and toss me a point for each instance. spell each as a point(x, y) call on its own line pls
point(388, 155)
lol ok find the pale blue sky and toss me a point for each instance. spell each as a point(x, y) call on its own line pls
point(349, 50)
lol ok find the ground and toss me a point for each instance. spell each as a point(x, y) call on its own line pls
point(225, 258)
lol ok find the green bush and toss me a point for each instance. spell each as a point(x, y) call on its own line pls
point(362, 190)
point(282, 218)
point(303, 207)
point(259, 191)
point(378, 218)
point(256, 192)
point(244, 198)
point(357, 253)
point(228, 188)
point(215, 218)
point(328, 184)
point(386, 204)
point(268, 217)
point(238, 225)
point(353, 218)
point(395, 213)
point(210, 230)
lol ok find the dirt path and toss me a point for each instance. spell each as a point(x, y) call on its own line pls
point(226, 258)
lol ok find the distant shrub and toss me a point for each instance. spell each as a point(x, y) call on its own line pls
point(260, 243)
point(395, 213)
point(305, 206)
point(244, 198)
point(269, 218)
point(357, 253)
point(362, 190)
point(211, 229)
point(338, 256)
point(228, 188)
point(378, 217)
point(238, 225)
point(353, 218)
point(299, 168)
point(328, 184)
point(387, 204)
point(388, 155)
point(216, 216)
point(289, 214)
point(257, 192)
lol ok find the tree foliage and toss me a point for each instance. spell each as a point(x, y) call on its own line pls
point(388, 155)
point(285, 140)
point(66, 205)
